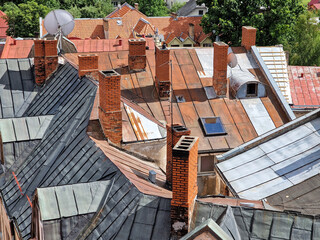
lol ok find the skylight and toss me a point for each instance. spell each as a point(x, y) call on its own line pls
point(212, 126)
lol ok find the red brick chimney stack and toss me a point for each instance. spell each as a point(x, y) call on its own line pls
point(88, 64)
point(137, 54)
point(184, 184)
point(248, 37)
point(174, 133)
point(163, 71)
point(45, 59)
point(191, 30)
point(110, 114)
point(220, 62)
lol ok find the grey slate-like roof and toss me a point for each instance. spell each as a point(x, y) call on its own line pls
point(66, 155)
point(17, 87)
point(187, 8)
point(249, 223)
point(280, 159)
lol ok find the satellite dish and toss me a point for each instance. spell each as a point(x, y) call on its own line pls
point(232, 60)
point(59, 22)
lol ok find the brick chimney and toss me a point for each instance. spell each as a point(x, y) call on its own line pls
point(136, 6)
point(174, 133)
point(137, 54)
point(110, 114)
point(220, 62)
point(163, 70)
point(248, 37)
point(191, 31)
point(106, 28)
point(184, 184)
point(45, 59)
point(88, 64)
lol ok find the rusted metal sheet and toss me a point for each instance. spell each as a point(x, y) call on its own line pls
point(272, 112)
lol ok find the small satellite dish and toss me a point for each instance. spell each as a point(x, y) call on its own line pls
point(232, 60)
point(59, 22)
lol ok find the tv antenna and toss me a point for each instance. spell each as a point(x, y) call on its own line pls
point(59, 23)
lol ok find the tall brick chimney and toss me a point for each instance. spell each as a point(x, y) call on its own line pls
point(191, 30)
point(163, 70)
point(45, 59)
point(174, 133)
point(220, 62)
point(248, 37)
point(184, 184)
point(110, 114)
point(88, 64)
point(137, 54)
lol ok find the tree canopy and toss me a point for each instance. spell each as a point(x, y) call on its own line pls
point(275, 19)
point(151, 7)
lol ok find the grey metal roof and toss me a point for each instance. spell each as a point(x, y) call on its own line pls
point(280, 159)
point(187, 8)
point(248, 223)
point(24, 128)
point(17, 86)
point(66, 155)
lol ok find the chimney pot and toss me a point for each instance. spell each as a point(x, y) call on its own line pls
point(220, 61)
point(152, 176)
point(248, 37)
point(136, 6)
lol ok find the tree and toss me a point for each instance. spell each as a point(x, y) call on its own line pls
point(176, 6)
point(274, 19)
point(304, 48)
point(151, 7)
point(23, 19)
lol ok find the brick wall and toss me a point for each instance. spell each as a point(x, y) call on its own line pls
point(248, 37)
point(110, 114)
point(137, 54)
point(163, 71)
point(174, 133)
point(184, 183)
point(88, 64)
point(45, 59)
point(220, 82)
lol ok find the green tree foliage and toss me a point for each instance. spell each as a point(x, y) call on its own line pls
point(151, 7)
point(304, 47)
point(275, 19)
point(23, 19)
point(176, 6)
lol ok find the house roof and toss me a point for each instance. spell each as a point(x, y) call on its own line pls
point(66, 155)
point(278, 160)
point(313, 2)
point(17, 87)
point(301, 197)
point(248, 223)
point(187, 8)
point(84, 28)
point(305, 86)
point(3, 25)
point(316, 6)
point(106, 45)
point(16, 48)
point(192, 71)
point(275, 59)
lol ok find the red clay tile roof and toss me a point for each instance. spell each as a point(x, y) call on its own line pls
point(3, 25)
point(305, 86)
point(312, 2)
point(16, 48)
point(316, 6)
point(106, 45)
point(85, 28)
point(125, 8)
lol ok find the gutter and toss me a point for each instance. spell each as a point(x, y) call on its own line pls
point(274, 86)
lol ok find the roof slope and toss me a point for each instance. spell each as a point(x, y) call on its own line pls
point(3, 25)
point(65, 155)
point(16, 48)
point(304, 86)
point(187, 8)
point(247, 223)
point(275, 161)
point(17, 87)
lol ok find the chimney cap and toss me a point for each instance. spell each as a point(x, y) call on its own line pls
point(110, 72)
point(185, 143)
point(137, 40)
point(221, 44)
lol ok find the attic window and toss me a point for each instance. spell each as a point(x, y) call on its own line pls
point(200, 12)
point(212, 126)
point(252, 89)
point(187, 45)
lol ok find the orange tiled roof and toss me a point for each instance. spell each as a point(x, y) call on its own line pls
point(125, 8)
point(3, 25)
point(16, 48)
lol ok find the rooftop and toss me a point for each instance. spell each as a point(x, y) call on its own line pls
point(16, 48)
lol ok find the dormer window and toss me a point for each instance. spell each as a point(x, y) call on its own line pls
point(252, 90)
point(212, 126)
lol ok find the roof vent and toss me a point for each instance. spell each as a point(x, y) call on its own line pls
point(152, 176)
point(185, 143)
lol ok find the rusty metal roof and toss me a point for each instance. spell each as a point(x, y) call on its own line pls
point(190, 81)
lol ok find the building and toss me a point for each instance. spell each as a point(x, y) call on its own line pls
point(16, 48)
point(314, 5)
point(191, 8)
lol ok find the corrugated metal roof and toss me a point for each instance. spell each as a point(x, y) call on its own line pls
point(247, 223)
point(24, 129)
point(275, 59)
point(286, 157)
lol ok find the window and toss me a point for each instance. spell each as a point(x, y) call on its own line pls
point(187, 45)
point(174, 46)
point(206, 164)
point(252, 89)
point(212, 126)
point(200, 12)
point(207, 45)
point(115, 4)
